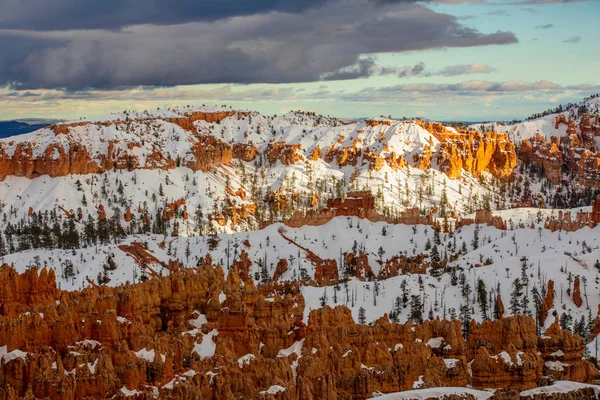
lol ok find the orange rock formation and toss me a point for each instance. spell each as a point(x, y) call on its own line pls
point(84, 344)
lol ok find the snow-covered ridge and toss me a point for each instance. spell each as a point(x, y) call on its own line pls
point(544, 125)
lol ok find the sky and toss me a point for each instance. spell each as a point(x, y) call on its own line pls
point(469, 60)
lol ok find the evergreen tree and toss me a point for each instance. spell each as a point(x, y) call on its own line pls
point(3, 251)
point(416, 309)
point(482, 298)
point(89, 231)
point(362, 319)
point(515, 297)
point(465, 318)
point(537, 304)
point(103, 231)
point(476, 238)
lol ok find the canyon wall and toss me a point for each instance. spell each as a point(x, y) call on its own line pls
point(197, 334)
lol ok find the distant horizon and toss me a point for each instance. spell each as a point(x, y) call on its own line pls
point(442, 120)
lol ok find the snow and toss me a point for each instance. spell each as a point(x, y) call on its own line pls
point(439, 393)
point(347, 353)
point(451, 362)
point(145, 354)
point(504, 248)
point(212, 376)
point(296, 347)
point(559, 387)
point(207, 347)
point(245, 360)
point(272, 390)
point(92, 366)
point(558, 353)
point(196, 323)
point(419, 383)
point(127, 393)
point(506, 357)
point(435, 343)
point(7, 356)
point(189, 373)
point(88, 342)
point(556, 365)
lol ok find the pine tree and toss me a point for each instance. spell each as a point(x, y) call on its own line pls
point(565, 321)
point(89, 231)
point(482, 298)
point(362, 319)
point(465, 318)
point(515, 297)
point(537, 304)
point(476, 237)
point(497, 310)
point(3, 251)
point(453, 277)
point(416, 310)
point(403, 286)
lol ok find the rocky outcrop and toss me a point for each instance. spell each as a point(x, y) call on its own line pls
point(548, 301)
point(170, 209)
point(562, 351)
point(195, 334)
point(472, 151)
point(510, 354)
point(359, 204)
point(287, 154)
point(577, 292)
point(483, 217)
point(187, 122)
point(595, 214)
point(567, 223)
point(574, 153)
point(280, 269)
point(209, 152)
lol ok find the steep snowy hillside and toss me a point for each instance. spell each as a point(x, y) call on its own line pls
point(545, 124)
point(244, 169)
point(399, 260)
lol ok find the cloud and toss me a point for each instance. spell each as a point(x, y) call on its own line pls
point(115, 14)
point(475, 68)
point(276, 47)
point(473, 88)
point(547, 26)
point(551, 1)
point(574, 39)
point(364, 68)
point(368, 67)
point(253, 93)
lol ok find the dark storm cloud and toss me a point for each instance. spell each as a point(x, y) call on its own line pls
point(115, 14)
point(275, 47)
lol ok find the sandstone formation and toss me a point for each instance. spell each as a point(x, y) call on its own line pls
point(483, 217)
point(70, 153)
point(475, 153)
point(194, 334)
point(574, 153)
point(359, 204)
point(577, 292)
point(565, 222)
